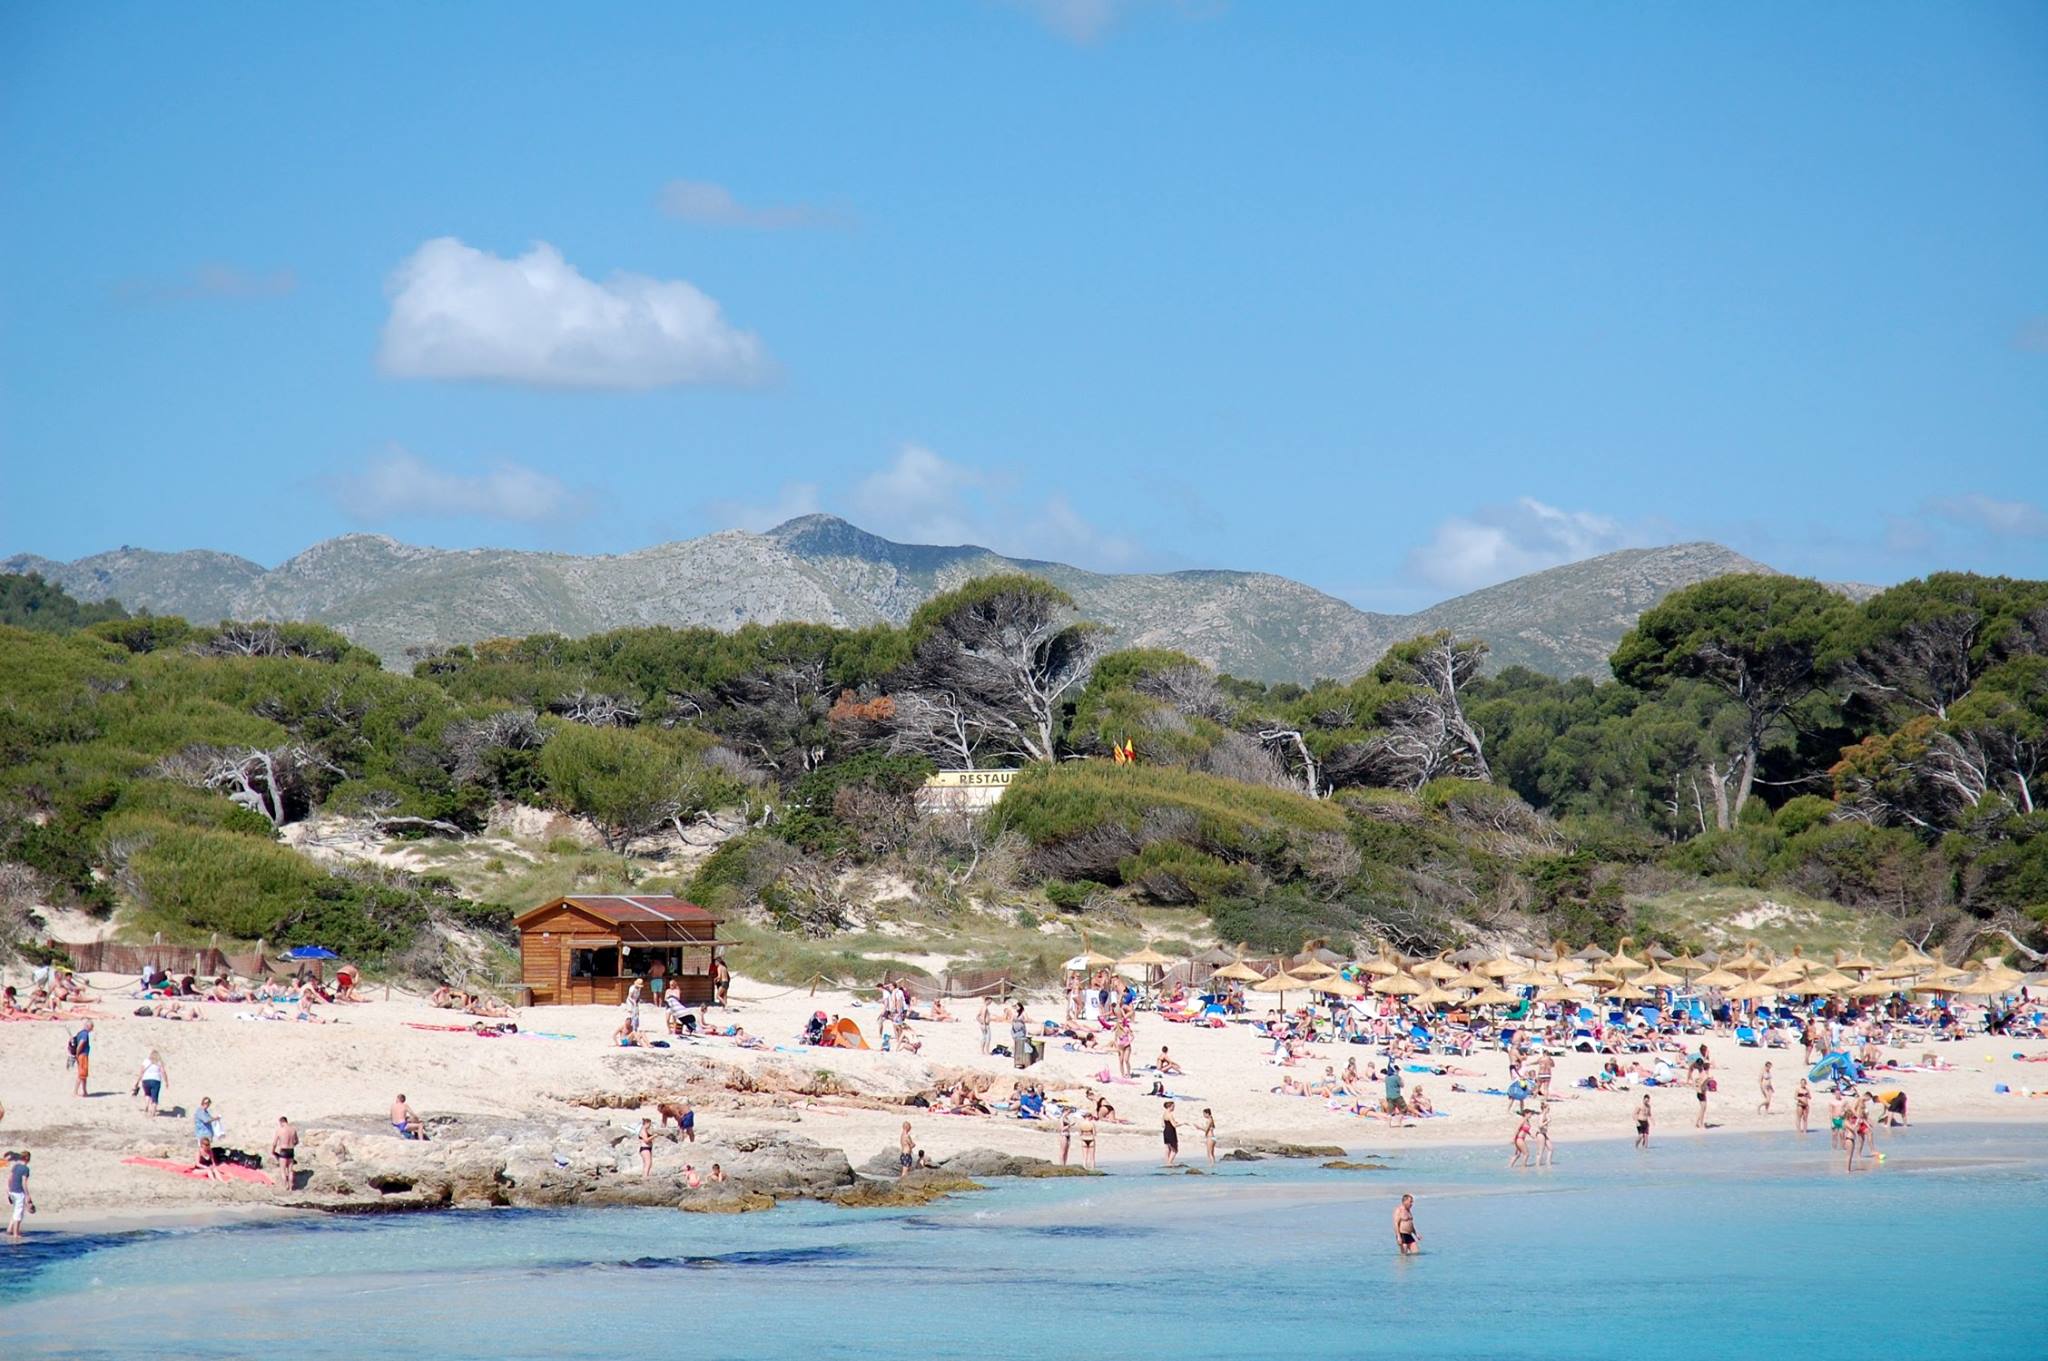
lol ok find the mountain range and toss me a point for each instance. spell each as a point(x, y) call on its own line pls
point(391, 596)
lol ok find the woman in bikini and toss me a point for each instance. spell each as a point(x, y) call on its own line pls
point(1521, 1144)
point(1209, 1134)
point(1765, 1087)
point(1088, 1142)
point(1802, 1103)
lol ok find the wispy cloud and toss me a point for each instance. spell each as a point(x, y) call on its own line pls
point(1990, 515)
point(919, 496)
point(714, 205)
point(400, 485)
point(1496, 543)
point(790, 500)
point(1086, 22)
point(461, 313)
point(209, 281)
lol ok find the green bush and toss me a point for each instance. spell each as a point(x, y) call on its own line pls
point(1173, 873)
point(1802, 812)
point(1070, 895)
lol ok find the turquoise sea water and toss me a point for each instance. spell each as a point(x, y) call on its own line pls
point(1731, 1247)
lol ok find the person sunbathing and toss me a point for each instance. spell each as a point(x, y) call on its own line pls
point(907, 1041)
point(741, 1038)
point(484, 1005)
point(1418, 1102)
point(223, 991)
point(441, 998)
point(1167, 1066)
point(345, 988)
point(624, 1036)
point(174, 1011)
point(939, 1012)
point(407, 1124)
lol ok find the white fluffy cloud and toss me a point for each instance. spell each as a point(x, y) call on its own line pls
point(714, 205)
point(400, 485)
point(1990, 515)
point(1499, 542)
point(462, 313)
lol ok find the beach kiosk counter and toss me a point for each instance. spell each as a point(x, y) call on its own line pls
point(589, 947)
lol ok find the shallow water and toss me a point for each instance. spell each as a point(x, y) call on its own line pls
point(1736, 1247)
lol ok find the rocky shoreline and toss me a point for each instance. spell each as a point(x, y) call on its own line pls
point(359, 1166)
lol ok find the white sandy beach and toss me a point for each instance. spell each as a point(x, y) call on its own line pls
point(257, 1071)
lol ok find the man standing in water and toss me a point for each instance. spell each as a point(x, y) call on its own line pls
point(1406, 1239)
point(1170, 1132)
point(1643, 1122)
point(19, 1201)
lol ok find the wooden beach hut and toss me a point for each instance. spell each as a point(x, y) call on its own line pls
point(590, 947)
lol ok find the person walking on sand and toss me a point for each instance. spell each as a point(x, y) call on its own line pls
point(19, 1201)
point(149, 1083)
point(1520, 1143)
point(1643, 1122)
point(906, 1152)
point(1170, 1133)
point(1066, 1133)
point(1765, 1087)
point(1209, 1134)
point(1802, 1105)
point(982, 1018)
point(1125, 1037)
point(284, 1151)
point(1406, 1239)
point(206, 1129)
point(1088, 1140)
point(646, 1147)
point(79, 1057)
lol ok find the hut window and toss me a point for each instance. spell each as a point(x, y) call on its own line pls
point(594, 963)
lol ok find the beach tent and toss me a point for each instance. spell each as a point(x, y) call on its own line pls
point(844, 1034)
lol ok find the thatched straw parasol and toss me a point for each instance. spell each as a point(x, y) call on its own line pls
point(1591, 954)
point(1686, 964)
point(1855, 963)
point(1397, 985)
point(1627, 992)
point(1718, 978)
point(1875, 987)
point(1493, 997)
point(1657, 977)
point(1239, 971)
point(1471, 955)
point(1500, 966)
point(1336, 985)
point(1282, 983)
point(1563, 992)
point(1621, 963)
point(1827, 981)
point(1147, 958)
point(1752, 992)
point(1435, 997)
point(1380, 965)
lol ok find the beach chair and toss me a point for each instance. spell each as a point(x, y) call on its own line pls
point(1746, 1037)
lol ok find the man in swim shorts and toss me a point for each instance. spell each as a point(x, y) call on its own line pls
point(906, 1152)
point(1406, 1239)
point(284, 1148)
point(1170, 1132)
point(408, 1125)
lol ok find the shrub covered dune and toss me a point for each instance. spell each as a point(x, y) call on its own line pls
point(1874, 769)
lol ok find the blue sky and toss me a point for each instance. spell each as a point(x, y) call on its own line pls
point(1396, 299)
